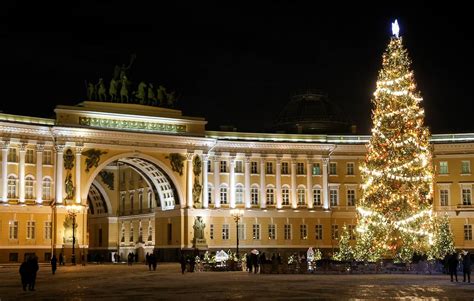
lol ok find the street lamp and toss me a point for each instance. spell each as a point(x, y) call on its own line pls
point(72, 211)
point(237, 214)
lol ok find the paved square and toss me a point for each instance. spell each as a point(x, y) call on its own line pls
point(122, 282)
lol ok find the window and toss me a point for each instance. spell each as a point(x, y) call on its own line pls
point(254, 195)
point(303, 232)
point(465, 167)
point(443, 167)
point(317, 197)
point(225, 232)
point(319, 232)
point(29, 187)
point(270, 196)
point(269, 169)
point(29, 158)
point(170, 233)
point(287, 232)
point(150, 199)
point(239, 167)
point(223, 195)
point(256, 232)
point(351, 230)
point(467, 232)
point(284, 168)
point(333, 197)
point(316, 169)
point(150, 233)
point(122, 198)
point(241, 231)
point(140, 201)
point(444, 197)
point(301, 196)
point(223, 166)
point(253, 167)
point(12, 187)
point(300, 168)
point(13, 225)
point(350, 169)
point(239, 194)
point(131, 201)
point(48, 230)
point(47, 157)
point(334, 232)
point(271, 232)
point(211, 231)
point(209, 166)
point(131, 232)
point(332, 168)
point(123, 233)
point(12, 155)
point(350, 197)
point(285, 195)
point(466, 196)
point(30, 229)
point(210, 193)
point(46, 189)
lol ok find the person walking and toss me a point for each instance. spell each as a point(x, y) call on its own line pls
point(33, 269)
point(466, 266)
point(183, 263)
point(453, 266)
point(54, 262)
point(154, 261)
point(25, 274)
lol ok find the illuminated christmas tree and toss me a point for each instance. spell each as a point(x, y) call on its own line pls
point(345, 252)
point(395, 216)
point(444, 239)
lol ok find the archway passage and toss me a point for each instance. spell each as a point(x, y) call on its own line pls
point(123, 200)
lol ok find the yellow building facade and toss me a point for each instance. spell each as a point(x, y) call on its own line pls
point(121, 178)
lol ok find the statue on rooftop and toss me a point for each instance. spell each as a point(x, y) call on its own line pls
point(113, 89)
point(141, 93)
point(124, 90)
point(151, 95)
point(91, 93)
point(101, 91)
point(161, 94)
point(124, 70)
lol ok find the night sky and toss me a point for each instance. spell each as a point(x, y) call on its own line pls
point(236, 63)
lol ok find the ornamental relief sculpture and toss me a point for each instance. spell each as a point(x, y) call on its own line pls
point(93, 158)
point(176, 162)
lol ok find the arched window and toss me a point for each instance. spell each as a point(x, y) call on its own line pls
point(122, 239)
point(223, 192)
point(239, 194)
point(47, 188)
point(150, 198)
point(270, 196)
point(12, 187)
point(132, 194)
point(131, 232)
point(301, 196)
point(29, 183)
point(254, 195)
point(285, 195)
point(140, 200)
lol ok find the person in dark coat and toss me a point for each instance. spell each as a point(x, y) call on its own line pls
point(54, 262)
point(154, 261)
point(183, 264)
point(466, 266)
point(33, 269)
point(453, 266)
point(248, 261)
point(255, 262)
point(25, 274)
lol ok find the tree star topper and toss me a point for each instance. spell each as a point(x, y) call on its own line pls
point(395, 28)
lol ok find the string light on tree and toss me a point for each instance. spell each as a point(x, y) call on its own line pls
point(395, 216)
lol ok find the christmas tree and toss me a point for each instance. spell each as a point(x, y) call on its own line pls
point(395, 209)
point(444, 241)
point(345, 252)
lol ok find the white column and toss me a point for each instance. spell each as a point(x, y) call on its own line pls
point(189, 180)
point(205, 189)
point(263, 201)
point(278, 183)
point(325, 183)
point(294, 200)
point(5, 171)
point(217, 183)
point(247, 183)
point(39, 173)
point(309, 184)
point(78, 174)
point(21, 173)
point(59, 173)
point(232, 182)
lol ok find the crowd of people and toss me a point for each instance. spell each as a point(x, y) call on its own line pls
point(28, 270)
point(455, 260)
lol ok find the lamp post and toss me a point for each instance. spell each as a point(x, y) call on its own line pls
point(237, 214)
point(72, 211)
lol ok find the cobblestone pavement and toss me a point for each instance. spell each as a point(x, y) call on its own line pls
point(122, 282)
